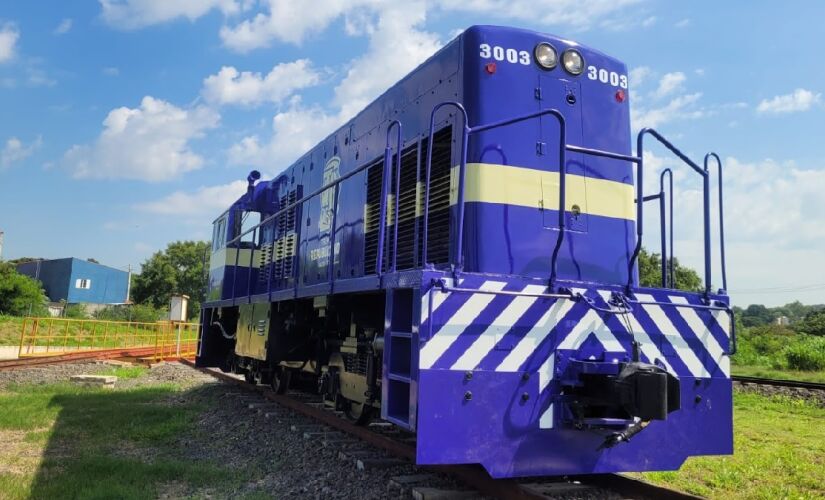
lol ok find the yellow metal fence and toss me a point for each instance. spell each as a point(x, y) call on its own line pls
point(52, 336)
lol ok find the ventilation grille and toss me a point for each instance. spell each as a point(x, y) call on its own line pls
point(438, 237)
point(410, 206)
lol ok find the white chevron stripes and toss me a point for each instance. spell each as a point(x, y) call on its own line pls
point(646, 344)
point(500, 326)
point(700, 328)
point(672, 335)
point(455, 326)
point(591, 323)
point(528, 344)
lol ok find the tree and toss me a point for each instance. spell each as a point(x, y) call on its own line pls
point(650, 273)
point(757, 315)
point(813, 324)
point(93, 260)
point(19, 294)
point(177, 270)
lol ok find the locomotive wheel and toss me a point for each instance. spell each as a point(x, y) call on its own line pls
point(359, 413)
point(280, 380)
point(249, 376)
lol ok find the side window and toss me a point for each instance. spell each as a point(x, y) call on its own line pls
point(83, 284)
point(219, 235)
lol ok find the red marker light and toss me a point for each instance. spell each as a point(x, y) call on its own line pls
point(620, 96)
point(490, 68)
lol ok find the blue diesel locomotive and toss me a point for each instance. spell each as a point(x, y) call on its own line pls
point(461, 259)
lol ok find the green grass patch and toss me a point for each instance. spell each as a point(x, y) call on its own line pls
point(779, 452)
point(126, 372)
point(81, 442)
point(10, 328)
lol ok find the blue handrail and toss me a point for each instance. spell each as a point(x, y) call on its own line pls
point(721, 220)
point(384, 194)
point(467, 131)
point(640, 202)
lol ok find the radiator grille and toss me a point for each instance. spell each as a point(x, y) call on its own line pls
point(410, 206)
point(438, 237)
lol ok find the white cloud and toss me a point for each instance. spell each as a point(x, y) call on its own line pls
point(396, 47)
point(293, 132)
point(773, 217)
point(134, 14)
point(15, 150)
point(639, 75)
point(151, 142)
point(229, 86)
point(670, 83)
point(681, 107)
point(64, 27)
point(110, 71)
point(574, 14)
point(197, 204)
point(290, 21)
point(684, 23)
point(798, 100)
point(9, 35)
point(649, 21)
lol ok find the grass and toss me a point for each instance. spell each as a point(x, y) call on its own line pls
point(767, 372)
point(10, 329)
point(67, 441)
point(779, 453)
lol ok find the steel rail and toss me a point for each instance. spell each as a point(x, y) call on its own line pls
point(798, 384)
point(473, 476)
point(20, 363)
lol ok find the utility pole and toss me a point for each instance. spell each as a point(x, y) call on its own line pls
point(129, 283)
point(1, 245)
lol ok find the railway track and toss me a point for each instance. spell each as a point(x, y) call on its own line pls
point(127, 353)
point(815, 386)
point(401, 446)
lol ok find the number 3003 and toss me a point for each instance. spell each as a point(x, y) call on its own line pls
point(604, 76)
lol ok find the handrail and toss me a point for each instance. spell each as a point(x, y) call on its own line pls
point(385, 192)
point(721, 219)
point(640, 202)
point(428, 169)
point(667, 270)
point(467, 131)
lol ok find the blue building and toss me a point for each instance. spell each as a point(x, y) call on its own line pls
point(79, 281)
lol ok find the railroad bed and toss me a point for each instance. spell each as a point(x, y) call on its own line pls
point(382, 446)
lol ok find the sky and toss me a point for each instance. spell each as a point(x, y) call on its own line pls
point(127, 124)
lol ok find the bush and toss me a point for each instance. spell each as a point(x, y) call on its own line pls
point(19, 294)
point(75, 311)
point(762, 345)
point(806, 354)
point(139, 313)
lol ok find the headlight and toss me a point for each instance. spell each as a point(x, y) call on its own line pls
point(573, 62)
point(546, 56)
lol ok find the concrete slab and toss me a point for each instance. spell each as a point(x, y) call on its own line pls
point(106, 381)
point(379, 463)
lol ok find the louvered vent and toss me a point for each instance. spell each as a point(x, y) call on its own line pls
point(410, 206)
point(438, 244)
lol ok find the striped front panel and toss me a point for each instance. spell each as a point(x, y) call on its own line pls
point(501, 331)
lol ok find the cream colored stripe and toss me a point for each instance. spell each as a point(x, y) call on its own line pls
point(527, 187)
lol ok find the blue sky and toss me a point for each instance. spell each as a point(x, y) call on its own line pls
point(131, 123)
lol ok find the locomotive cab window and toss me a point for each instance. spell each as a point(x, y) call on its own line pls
point(219, 234)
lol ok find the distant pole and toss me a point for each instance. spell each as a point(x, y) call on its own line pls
point(1, 245)
point(129, 284)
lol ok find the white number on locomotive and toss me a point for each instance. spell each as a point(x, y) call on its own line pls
point(513, 56)
point(604, 76)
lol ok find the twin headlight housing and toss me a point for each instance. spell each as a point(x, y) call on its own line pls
point(547, 58)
